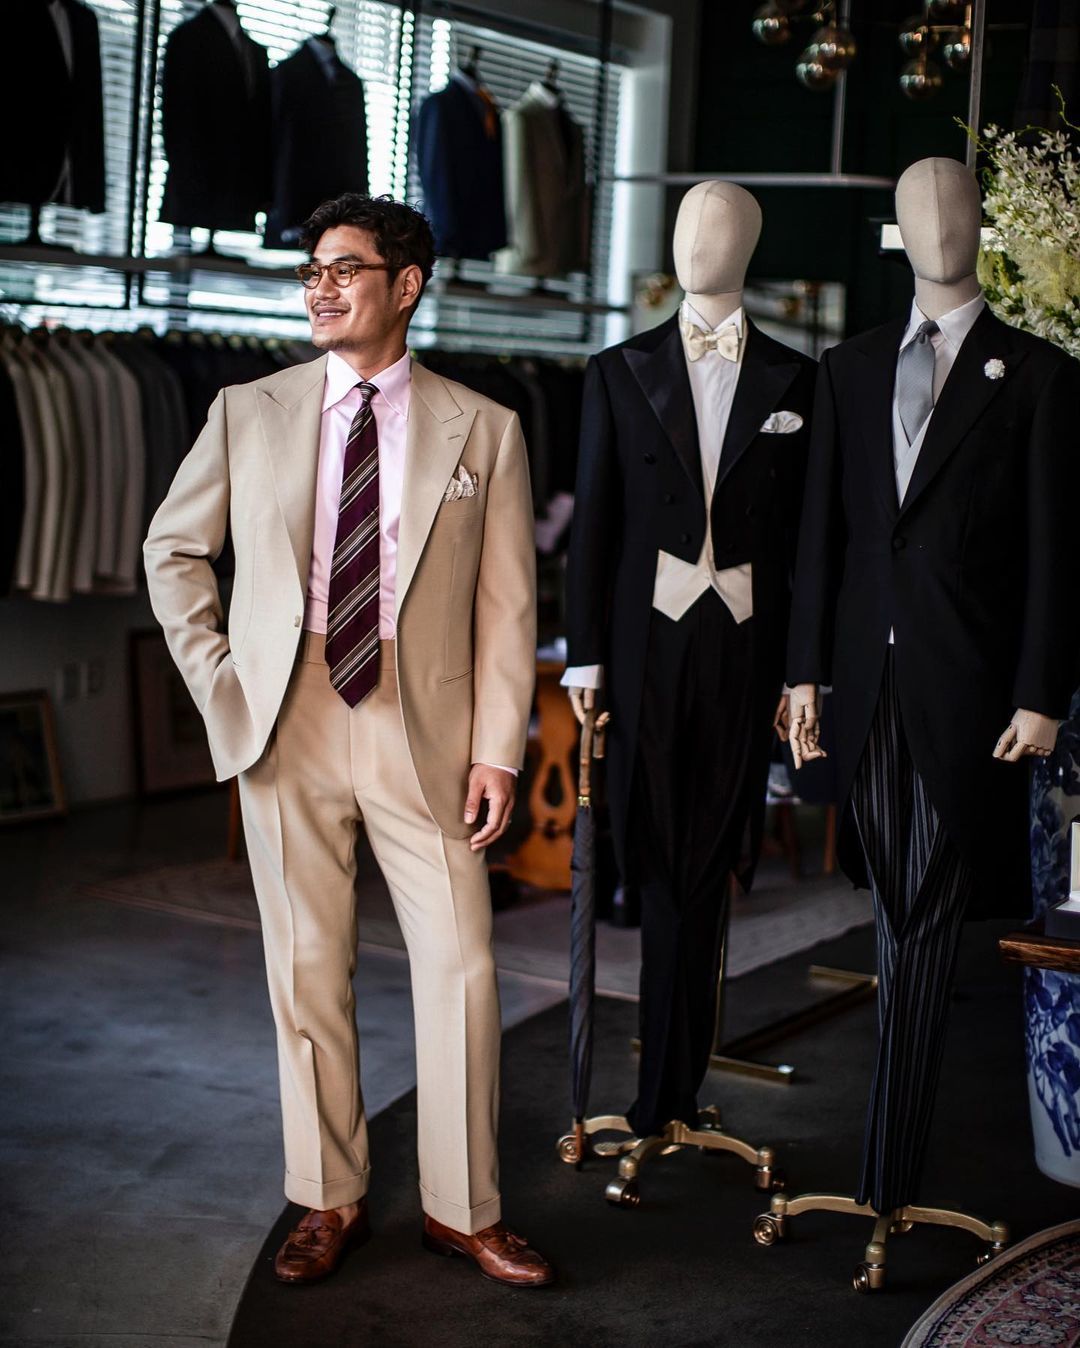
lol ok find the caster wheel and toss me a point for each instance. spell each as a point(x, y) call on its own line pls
point(767, 1229)
point(868, 1277)
point(623, 1193)
point(567, 1149)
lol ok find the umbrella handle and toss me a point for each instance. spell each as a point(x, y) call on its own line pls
point(588, 727)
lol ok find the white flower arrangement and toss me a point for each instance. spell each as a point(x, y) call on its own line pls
point(1030, 271)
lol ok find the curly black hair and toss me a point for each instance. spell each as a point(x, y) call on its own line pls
point(401, 234)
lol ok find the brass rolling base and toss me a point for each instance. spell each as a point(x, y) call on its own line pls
point(869, 1275)
point(633, 1152)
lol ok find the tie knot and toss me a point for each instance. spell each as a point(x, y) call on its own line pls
point(926, 330)
point(367, 391)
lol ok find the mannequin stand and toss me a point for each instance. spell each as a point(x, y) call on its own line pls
point(869, 1275)
point(635, 1151)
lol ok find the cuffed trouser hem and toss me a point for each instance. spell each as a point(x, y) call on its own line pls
point(466, 1220)
point(336, 1194)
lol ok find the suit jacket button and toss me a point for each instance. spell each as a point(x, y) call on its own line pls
point(668, 498)
point(899, 543)
point(649, 458)
point(296, 621)
point(750, 512)
point(684, 538)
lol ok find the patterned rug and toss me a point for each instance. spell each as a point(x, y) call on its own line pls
point(1028, 1296)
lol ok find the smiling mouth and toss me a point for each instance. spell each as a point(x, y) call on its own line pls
point(326, 315)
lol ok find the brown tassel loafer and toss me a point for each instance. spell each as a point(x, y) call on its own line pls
point(497, 1253)
point(319, 1243)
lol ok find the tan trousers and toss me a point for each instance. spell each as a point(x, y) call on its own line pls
point(326, 769)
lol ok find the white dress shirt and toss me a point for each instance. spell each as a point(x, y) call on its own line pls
point(953, 327)
point(679, 584)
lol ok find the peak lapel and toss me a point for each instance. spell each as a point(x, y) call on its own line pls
point(438, 430)
point(289, 415)
point(767, 372)
point(877, 379)
point(966, 394)
point(662, 376)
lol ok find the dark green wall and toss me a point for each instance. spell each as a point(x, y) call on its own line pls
point(753, 115)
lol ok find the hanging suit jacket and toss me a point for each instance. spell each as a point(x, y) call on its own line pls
point(459, 154)
point(973, 571)
point(215, 118)
point(52, 114)
point(640, 491)
point(319, 138)
point(547, 200)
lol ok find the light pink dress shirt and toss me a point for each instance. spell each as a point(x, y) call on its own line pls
point(341, 401)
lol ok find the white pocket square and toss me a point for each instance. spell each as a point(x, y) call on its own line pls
point(462, 485)
point(782, 423)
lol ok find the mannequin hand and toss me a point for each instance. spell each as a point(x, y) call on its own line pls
point(782, 720)
point(497, 787)
point(582, 700)
point(1028, 734)
point(804, 726)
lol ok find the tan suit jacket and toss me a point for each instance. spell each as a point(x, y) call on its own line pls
point(466, 575)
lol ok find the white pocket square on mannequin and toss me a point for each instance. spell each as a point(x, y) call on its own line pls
point(462, 485)
point(781, 423)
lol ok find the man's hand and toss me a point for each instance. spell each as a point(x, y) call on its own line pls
point(497, 787)
point(782, 720)
point(1028, 734)
point(804, 727)
point(582, 700)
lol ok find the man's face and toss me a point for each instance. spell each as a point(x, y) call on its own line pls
point(358, 316)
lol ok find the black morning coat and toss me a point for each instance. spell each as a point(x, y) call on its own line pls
point(639, 491)
point(215, 119)
point(47, 111)
point(974, 571)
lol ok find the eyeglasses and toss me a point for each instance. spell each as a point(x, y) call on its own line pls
point(343, 274)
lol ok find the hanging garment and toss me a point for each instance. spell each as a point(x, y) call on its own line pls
point(12, 478)
point(547, 199)
point(215, 121)
point(319, 137)
point(459, 153)
point(51, 106)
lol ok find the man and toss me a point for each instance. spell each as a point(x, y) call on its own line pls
point(378, 666)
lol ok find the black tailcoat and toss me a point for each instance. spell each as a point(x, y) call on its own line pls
point(640, 491)
point(974, 572)
point(215, 121)
point(319, 139)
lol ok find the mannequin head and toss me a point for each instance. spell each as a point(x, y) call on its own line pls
point(939, 211)
point(716, 232)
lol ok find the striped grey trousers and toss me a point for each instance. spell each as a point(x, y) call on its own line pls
point(920, 885)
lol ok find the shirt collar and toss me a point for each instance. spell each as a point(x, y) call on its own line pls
point(690, 315)
point(394, 383)
point(954, 326)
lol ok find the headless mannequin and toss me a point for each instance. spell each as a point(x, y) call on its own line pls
point(939, 212)
point(716, 232)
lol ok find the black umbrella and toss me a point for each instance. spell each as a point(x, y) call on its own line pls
point(583, 930)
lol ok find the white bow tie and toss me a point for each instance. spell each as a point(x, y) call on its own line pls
point(725, 341)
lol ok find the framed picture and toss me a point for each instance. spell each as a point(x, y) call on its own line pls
point(30, 783)
point(170, 739)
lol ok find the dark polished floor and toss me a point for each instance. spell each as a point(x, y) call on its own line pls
point(140, 1158)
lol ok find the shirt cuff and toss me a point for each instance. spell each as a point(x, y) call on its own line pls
point(583, 676)
point(500, 766)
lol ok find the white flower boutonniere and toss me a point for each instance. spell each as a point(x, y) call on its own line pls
point(994, 369)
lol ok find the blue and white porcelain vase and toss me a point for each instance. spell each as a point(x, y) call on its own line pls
point(1052, 1000)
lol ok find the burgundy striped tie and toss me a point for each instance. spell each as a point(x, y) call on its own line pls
point(352, 617)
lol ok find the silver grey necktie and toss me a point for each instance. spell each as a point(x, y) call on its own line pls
point(915, 380)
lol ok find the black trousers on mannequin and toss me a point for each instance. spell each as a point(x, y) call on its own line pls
point(688, 813)
point(921, 886)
